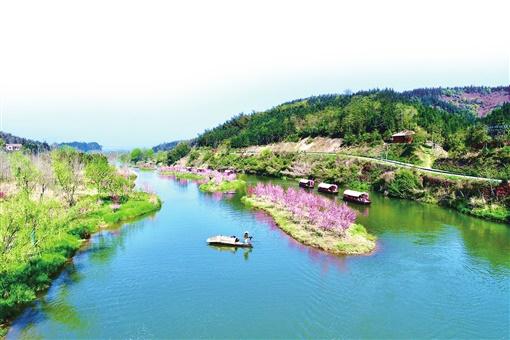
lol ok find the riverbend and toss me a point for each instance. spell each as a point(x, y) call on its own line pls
point(435, 273)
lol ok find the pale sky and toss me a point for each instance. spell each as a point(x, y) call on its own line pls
point(138, 73)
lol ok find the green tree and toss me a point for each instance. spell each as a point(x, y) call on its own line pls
point(136, 155)
point(405, 184)
point(24, 172)
point(67, 167)
point(148, 154)
point(477, 136)
point(181, 150)
point(406, 115)
point(99, 173)
point(120, 187)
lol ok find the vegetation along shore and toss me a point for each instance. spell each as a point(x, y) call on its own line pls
point(209, 180)
point(49, 204)
point(464, 131)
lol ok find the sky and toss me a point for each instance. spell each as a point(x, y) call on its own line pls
point(138, 73)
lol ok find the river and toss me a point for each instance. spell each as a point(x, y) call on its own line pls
point(436, 274)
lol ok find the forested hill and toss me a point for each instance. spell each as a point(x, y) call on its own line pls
point(82, 146)
point(165, 146)
point(366, 117)
point(29, 144)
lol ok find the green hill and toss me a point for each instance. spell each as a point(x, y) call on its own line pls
point(367, 117)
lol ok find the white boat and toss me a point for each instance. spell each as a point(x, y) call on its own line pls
point(229, 241)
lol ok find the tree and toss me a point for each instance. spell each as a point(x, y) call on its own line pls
point(136, 155)
point(406, 116)
point(67, 167)
point(161, 156)
point(477, 136)
point(148, 154)
point(45, 179)
point(99, 173)
point(120, 187)
point(24, 172)
point(181, 150)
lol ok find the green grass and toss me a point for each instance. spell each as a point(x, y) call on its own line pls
point(183, 175)
point(356, 241)
point(493, 211)
point(235, 185)
point(138, 205)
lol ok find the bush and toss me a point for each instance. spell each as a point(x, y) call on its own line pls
point(405, 184)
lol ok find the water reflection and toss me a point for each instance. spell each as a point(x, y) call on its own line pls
point(233, 250)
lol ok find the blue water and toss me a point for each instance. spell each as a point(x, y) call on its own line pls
point(436, 274)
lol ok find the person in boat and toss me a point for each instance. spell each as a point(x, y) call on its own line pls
point(247, 238)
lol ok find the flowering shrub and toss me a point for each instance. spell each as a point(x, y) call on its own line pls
point(115, 206)
point(308, 208)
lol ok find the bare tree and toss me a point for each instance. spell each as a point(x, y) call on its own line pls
point(46, 177)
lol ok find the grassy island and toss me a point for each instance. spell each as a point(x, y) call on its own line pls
point(223, 186)
point(183, 175)
point(313, 220)
point(53, 204)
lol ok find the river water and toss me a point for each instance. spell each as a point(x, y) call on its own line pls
point(436, 274)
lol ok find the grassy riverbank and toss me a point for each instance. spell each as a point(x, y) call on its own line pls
point(49, 204)
point(37, 258)
point(224, 186)
point(355, 241)
point(478, 198)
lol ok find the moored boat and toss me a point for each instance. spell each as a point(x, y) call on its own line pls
point(357, 196)
point(306, 183)
point(328, 188)
point(228, 241)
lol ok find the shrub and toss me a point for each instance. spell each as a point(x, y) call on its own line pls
point(405, 184)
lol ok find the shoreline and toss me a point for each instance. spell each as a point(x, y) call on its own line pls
point(357, 240)
point(81, 229)
point(471, 197)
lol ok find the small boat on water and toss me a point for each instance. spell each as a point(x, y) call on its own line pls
point(357, 197)
point(306, 183)
point(230, 241)
point(328, 188)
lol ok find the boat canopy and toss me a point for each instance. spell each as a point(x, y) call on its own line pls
point(327, 186)
point(353, 193)
point(305, 181)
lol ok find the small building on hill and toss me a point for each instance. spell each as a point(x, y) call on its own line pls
point(13, 147)
point(405, 136)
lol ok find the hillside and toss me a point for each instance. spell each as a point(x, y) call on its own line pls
point(368, 117)
point(477, 100)
point(165, 146)
point(82, 146)
point(29, 144)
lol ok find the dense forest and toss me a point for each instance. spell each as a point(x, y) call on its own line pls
point(367, 117)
